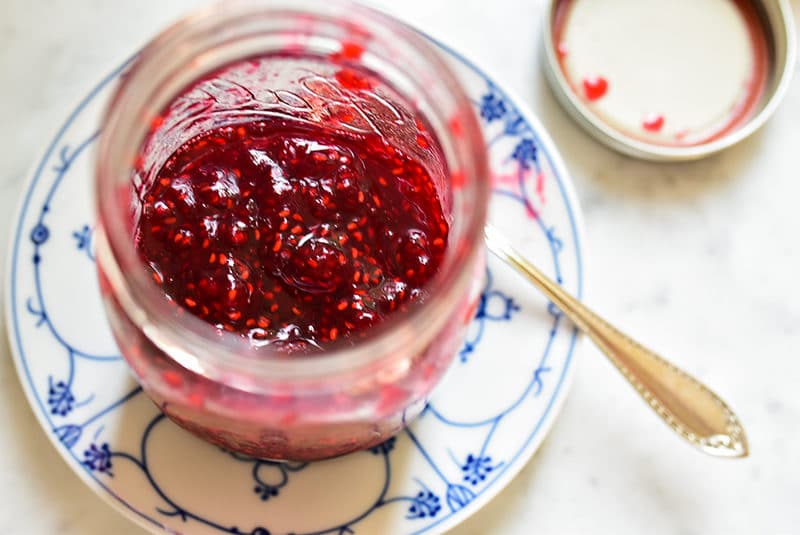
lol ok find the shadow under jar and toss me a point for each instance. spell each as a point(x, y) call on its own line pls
point(322, 80)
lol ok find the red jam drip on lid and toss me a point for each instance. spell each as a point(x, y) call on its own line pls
point(653, 122)
point(595, 87)
point(291, 235)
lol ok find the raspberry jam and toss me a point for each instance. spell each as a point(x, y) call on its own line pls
point(293, 236)
point(291, 199)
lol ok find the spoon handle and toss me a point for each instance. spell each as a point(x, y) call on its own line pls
point(690, 408)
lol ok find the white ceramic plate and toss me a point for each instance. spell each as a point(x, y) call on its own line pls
point(483, 423)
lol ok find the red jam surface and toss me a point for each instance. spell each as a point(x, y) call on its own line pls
point(292, 236)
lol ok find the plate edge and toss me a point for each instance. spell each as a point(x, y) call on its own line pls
point(117, 503)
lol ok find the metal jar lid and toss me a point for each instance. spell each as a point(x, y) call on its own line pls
point(776, 18)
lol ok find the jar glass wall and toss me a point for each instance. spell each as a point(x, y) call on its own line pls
point(261, 61)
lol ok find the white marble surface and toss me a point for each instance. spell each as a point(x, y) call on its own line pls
point(700, 260)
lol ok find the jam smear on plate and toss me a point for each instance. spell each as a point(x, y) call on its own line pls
point(292, 236)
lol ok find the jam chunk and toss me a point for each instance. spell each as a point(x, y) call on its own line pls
point(289, 235)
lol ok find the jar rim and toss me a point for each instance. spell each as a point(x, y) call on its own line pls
point(189, 342)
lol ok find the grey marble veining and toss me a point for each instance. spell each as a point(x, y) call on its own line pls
point(699, 260)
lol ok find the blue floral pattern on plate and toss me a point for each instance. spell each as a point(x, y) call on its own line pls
point(461, 451)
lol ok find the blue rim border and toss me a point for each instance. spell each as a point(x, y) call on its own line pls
point(510, 469)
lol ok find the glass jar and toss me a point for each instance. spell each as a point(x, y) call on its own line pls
point(214, 383)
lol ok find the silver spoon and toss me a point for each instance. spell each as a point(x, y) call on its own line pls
point(689, 407)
